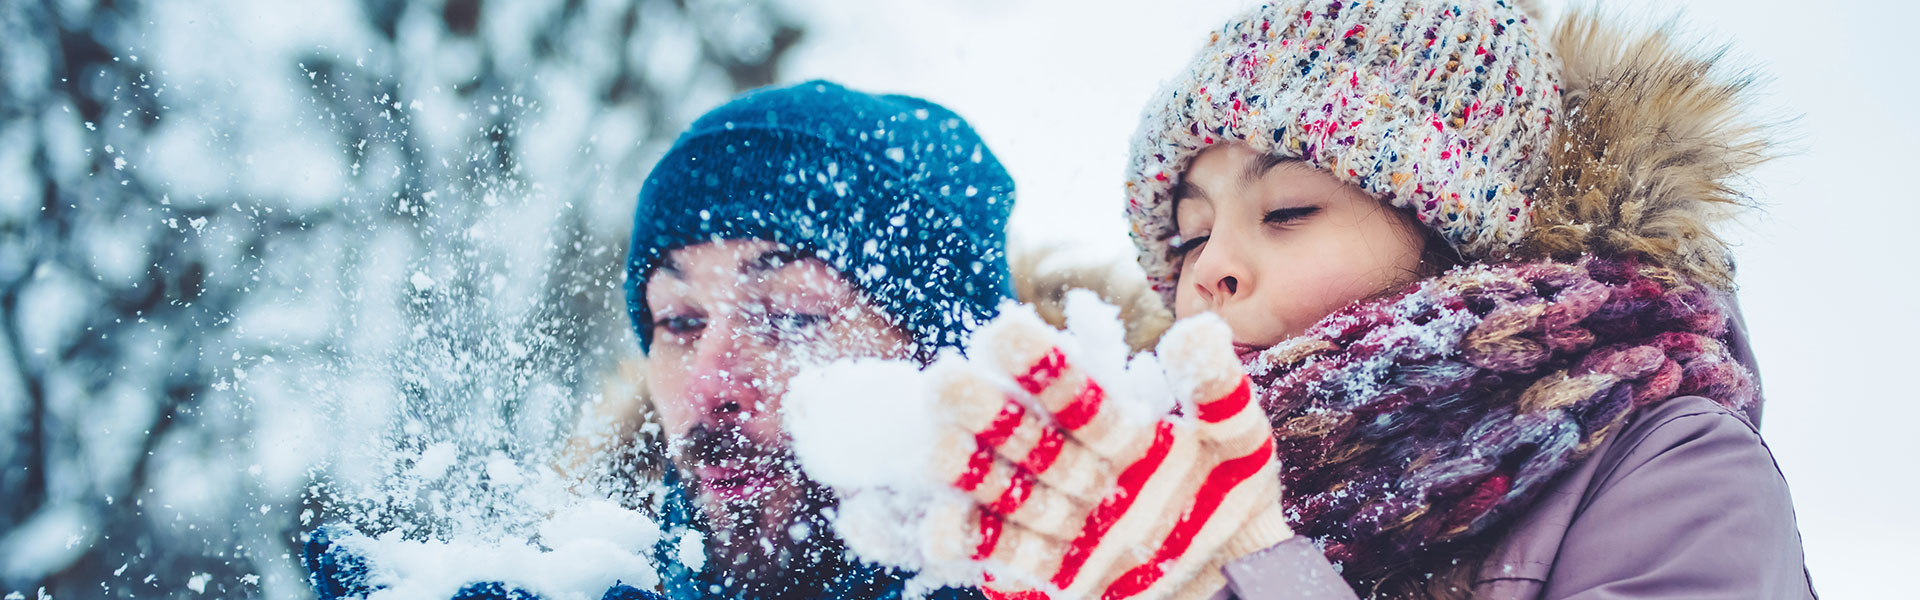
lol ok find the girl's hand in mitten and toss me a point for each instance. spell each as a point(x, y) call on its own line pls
point(1073, 495)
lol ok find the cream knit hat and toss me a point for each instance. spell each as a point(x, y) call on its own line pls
point(1435, 107)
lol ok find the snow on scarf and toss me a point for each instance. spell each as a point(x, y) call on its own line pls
point(1409, 424)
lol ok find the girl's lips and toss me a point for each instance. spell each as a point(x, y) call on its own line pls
point(1246, 351)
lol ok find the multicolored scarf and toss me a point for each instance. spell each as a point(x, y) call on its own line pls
point(1412, 424)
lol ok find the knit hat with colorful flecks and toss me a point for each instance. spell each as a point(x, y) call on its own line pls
point(1435, 107)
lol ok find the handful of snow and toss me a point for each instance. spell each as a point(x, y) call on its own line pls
point(868, 428)
point(580, 552)
point(449, 516)
point(863, 423)
point(865, 428)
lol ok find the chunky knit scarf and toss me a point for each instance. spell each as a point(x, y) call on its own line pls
point(1413, 424)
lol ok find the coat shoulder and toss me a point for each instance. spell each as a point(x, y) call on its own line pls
point(1681, 423)
point(1688, 497)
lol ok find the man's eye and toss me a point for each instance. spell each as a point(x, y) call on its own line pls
point(795, 321)
point(680, 324)
point(1189, 246)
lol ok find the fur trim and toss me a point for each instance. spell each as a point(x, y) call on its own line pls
point(1044, 285)
point(1653, 139)
point(618, 444)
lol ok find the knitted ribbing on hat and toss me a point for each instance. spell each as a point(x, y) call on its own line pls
point(1433, 107)
point(1408, 424)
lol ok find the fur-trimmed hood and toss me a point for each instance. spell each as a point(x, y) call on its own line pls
point(1597, 138)
point(1653, 140)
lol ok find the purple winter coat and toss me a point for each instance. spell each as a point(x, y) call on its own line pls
point(1684, 502)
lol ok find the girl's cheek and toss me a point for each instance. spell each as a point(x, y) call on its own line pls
point(1317, 288)
point(1185, 302)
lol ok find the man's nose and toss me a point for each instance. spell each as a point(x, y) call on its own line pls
point(720, 381)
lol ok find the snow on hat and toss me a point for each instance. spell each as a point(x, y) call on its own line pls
point(1434, 107)
point(897, 193)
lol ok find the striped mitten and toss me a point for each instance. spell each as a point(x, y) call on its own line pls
point(1070, 496)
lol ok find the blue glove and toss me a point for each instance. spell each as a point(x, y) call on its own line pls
point(337, 574)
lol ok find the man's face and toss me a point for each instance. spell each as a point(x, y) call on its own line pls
point(732, 322)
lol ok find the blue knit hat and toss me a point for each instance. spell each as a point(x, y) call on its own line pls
point(895, 192)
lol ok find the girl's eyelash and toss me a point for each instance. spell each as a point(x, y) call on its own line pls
point(1289, 215)
point(1276, 217)
point(1189, 245)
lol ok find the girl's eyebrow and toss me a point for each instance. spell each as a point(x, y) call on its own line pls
point(1185, 189)
point(1258, 168)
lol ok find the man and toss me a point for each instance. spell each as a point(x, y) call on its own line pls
point(791, 227)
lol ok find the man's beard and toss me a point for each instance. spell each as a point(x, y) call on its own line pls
point(776, 542)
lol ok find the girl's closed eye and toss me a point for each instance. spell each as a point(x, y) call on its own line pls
point(1287, 216)
point(1188, 246)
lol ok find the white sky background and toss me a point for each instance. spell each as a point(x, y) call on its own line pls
point(1826, 272)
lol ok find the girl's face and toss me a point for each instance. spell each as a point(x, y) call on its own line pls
point(1273, 246)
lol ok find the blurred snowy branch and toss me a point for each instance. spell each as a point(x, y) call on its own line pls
point(249, 251)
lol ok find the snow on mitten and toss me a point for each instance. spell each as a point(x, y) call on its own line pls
point(1069, 495)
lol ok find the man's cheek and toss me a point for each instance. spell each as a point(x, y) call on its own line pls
point(664, 392)
point(766, 433)
point(674, 420)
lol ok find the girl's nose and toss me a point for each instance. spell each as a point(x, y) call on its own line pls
point(1218, 276)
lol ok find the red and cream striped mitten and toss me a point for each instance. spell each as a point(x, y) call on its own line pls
point(1072, 496)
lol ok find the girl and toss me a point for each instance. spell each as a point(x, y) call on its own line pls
point(1471, 275)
